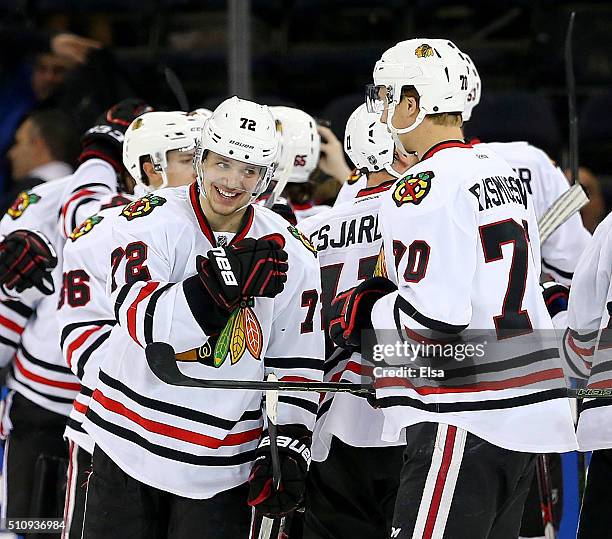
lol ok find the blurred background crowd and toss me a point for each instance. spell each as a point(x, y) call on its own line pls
point(64, 61)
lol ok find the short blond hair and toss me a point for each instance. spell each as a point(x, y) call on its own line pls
point(448, 119)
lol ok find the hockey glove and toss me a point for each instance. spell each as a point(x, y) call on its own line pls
point(294, 452)
point(27, 259)
point(105, 139)
point(349, 312)
point(556, 297)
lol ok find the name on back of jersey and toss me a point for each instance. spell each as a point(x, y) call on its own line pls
point(363, 229)
point(499, 190)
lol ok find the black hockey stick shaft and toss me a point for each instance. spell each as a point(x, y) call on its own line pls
point(546, 501)
point(162, 361)
point(570, 81)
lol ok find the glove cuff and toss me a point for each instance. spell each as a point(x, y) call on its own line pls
point(204, 308)
point(102, 151)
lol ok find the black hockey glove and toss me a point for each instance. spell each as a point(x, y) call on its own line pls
point(349, 312)
point(27, 259)
point(105, 139)
point(556, 297)
point(294, 452)
point(234, 273)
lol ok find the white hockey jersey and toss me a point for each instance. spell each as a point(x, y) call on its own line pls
point(351, 187)
point(85, 312)
point(308, 209)
point(460, 241)
point(198, 442)
point(348, 242)
point(546, 183)
point(588, 342)
point(29, 332)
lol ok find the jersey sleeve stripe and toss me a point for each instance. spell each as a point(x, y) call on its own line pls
point(43, 364)
point(80, 194)
point(42, 380)
point(286, 363)
point(78, 342)
point(150, 313)
point(176, 432)
point(565, 274)
point(123, 293)
point(304, 404)
point(84, 357)
point(9, 324)
point(132, 311)
point(403, 305)
point(73, 218)
point(166, 452)
point(76, 325)
point(8, 342)
point(87, 185)
point(20, 308)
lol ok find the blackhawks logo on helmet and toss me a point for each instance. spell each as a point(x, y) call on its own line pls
point(412, 189)
point(85, 227)
point(424, 51)
point(303, 239)
point(143, 206)
point(23, 200)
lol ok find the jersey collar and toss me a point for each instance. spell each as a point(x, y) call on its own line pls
point(443, 145)
point(376, 189)
point(243, 229)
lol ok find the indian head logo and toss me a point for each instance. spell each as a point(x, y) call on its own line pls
point(412, 189)
point(424, 51)
point(302, 239)
point(242, 332)
point(21, 204)
point(85, 227)
point(143, 206)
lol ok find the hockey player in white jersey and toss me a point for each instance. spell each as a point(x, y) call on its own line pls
point(348, 431)
point(470, 261)
point(158, 151)
point(588, 343)
point(229, 285)
point(298, 157)
point(42, 387)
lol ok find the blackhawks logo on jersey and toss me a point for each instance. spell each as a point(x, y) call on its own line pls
point(412, 189)
point(85, 227)
point(380, 270)
point(143, 206)
point(303, 239)
point(242, 332)
point(23, 200)
point(424, 51)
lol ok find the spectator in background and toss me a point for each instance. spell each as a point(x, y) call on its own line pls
point(26, 86)
point(45, 148)
point(593, 213)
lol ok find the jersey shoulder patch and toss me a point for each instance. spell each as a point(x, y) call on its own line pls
point(412, 188)
point(23, 201)
point(85, 227)
point(302, 239)
point(115, 201)
point(142, 207)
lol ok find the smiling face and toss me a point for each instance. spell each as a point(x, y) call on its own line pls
point(228, 183)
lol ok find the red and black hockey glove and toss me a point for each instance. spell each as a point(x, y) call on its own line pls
point(248, 268)
point(556, 297)
point(294, 452)
point(27, 259)
point(349, 312)
point(105, 139)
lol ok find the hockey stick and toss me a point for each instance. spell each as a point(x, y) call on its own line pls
point(575, 198)
point(177, 89)
point(161, 359)
point(281, 183)
point(162, 362)
point(546, 502)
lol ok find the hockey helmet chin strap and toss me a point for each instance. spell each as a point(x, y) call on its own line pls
point(397, 131)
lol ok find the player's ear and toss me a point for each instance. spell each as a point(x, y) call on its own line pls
point(149, 170)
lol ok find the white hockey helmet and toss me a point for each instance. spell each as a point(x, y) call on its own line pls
point(474, 89)
point(298, 137)
point(432, 66)
point(368, 143)
point(242, 130)
point(202, 113)
point(153, 135)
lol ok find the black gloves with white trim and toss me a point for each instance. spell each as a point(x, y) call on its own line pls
point(350, 312)
point(294, 452)
point(27, 259)
point(232, 274)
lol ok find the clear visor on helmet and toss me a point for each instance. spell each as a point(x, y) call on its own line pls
point(231, 173)
point(378, 97)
